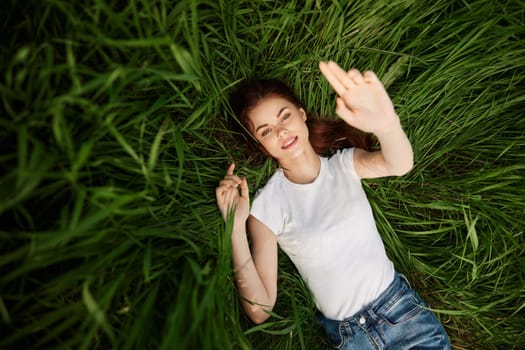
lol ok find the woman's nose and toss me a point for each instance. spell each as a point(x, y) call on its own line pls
point(281, 132)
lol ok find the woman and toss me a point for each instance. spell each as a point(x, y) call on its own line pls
point(316, 210)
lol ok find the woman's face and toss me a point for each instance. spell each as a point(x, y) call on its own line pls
point(280, 128)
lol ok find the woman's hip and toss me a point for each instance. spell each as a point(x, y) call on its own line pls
point(397, 319)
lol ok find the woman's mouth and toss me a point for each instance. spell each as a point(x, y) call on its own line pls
point(289, 143)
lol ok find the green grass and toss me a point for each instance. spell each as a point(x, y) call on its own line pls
point(113, 137)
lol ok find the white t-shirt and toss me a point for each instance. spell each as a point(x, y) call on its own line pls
point(328, 230)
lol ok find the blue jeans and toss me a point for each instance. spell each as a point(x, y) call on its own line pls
point(398, 319)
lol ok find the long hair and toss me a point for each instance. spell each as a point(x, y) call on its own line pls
point(326, 135)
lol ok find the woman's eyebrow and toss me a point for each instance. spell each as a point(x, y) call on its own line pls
point(278, 114)
point(280, 111)
point(260, 126)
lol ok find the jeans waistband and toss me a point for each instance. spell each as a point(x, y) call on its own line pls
point(389, 296)
point(378, 324)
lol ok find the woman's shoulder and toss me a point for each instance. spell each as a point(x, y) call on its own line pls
point(343, 159)
point(343, 152)
point(343, 155)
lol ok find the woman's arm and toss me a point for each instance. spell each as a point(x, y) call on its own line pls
point(364, 103)
point(255, 270)
point(394, 159)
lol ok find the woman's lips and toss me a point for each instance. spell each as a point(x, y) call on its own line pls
point(289, 143)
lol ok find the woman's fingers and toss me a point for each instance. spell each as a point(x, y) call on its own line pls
point(221, 189)
point(356, 76)
point(343, 111)
point(220, 194)
point(226, 197)
point(334, 77)
point(370, 77)
point(340, 80)
point(226, 185)
point(347, 79)
point(230, 170)
point(234, 179)
point(231, 198)
point(227, 192)
point(245, 193)
point(230, 181)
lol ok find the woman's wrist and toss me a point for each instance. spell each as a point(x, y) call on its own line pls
point(392, 127)
point(239, 228)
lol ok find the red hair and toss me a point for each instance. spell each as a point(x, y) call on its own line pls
point(326, 135)
point(329, 135)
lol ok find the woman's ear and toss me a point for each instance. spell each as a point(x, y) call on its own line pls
point(303, 113)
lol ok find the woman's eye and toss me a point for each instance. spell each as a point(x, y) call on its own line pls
point(265, 132)
point(286, 116)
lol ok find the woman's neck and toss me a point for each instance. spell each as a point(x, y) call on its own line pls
point(303, 169)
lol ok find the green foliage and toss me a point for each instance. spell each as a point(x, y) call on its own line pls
point(113, 137)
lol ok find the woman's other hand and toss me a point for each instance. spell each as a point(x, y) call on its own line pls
point(363, 101)
point(229, 198)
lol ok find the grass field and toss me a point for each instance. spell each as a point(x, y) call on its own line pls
point(113, 137)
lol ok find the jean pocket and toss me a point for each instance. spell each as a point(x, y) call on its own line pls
point(335, 340)
point(332, 331)
point(407, 306)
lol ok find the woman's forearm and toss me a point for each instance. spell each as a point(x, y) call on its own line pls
point(253, 294)
point(396, 149)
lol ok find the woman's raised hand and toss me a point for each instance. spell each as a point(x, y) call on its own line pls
point(363, 101)
point(228, 197)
